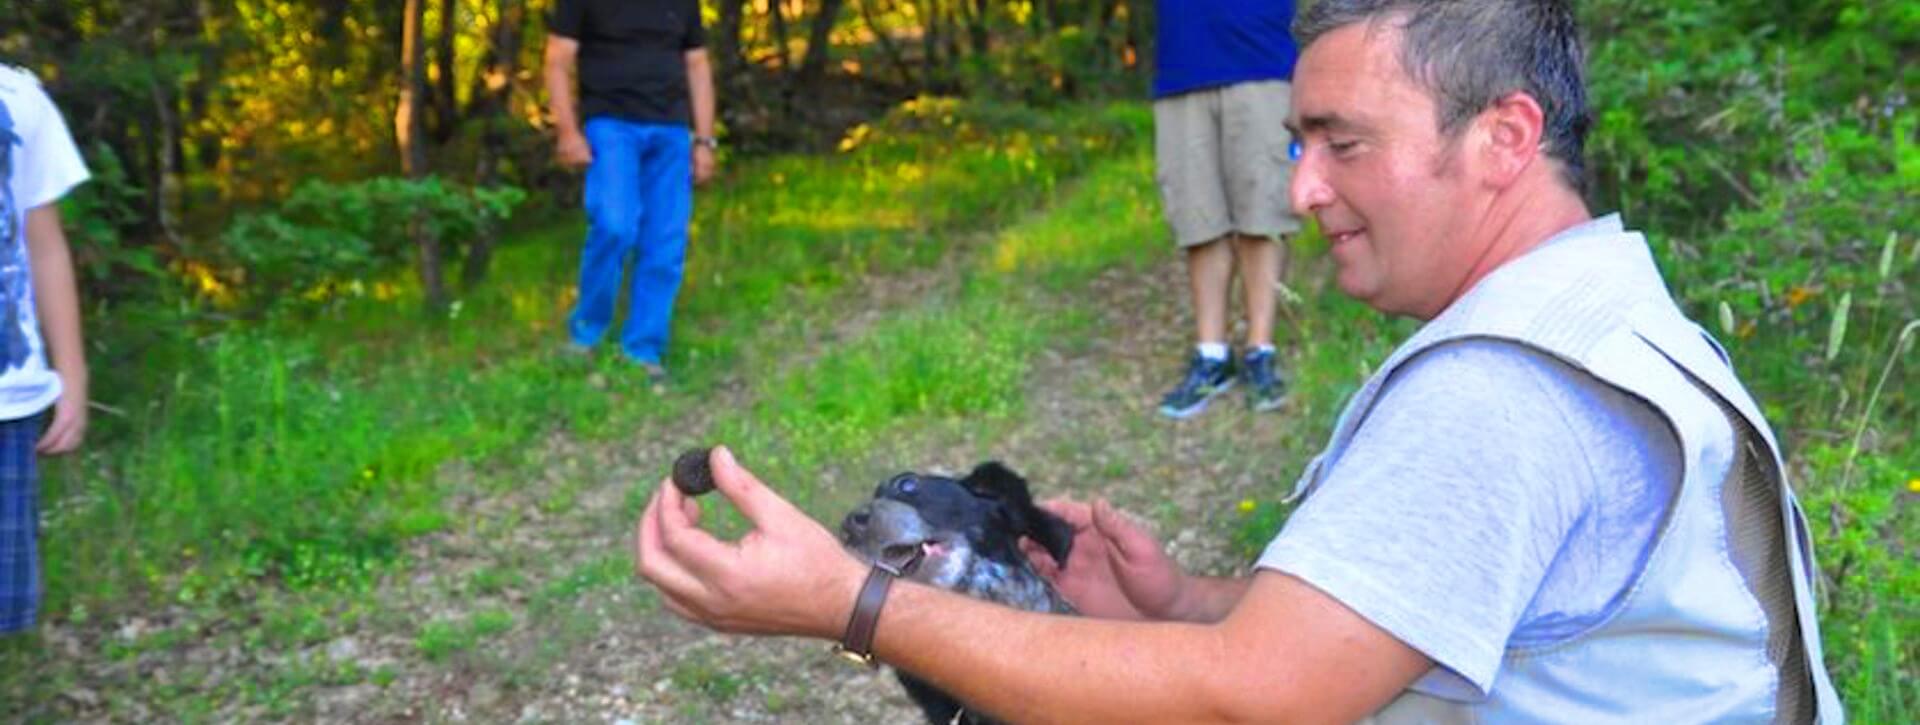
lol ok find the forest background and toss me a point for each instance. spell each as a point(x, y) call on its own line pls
point(325, 253)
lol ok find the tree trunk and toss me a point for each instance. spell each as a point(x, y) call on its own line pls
point(929, 12)
point(166, 187)
point(413, 150)
point(490, 99)
point(977, 26)
point(819, 44)
point(950, 22)
point(887, 48)
point(726, 39)
point(446, 112)
point(779, 20)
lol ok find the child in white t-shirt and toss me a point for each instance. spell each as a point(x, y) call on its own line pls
point(38, 164)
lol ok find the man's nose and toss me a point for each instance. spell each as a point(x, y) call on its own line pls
point(1308, 191)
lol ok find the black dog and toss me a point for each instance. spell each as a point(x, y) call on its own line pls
point(961, 535)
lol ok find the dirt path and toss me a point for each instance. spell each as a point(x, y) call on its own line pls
point(526, 610)
point(614, 656)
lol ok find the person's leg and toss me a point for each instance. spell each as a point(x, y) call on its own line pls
point(19, 519)
point(613, 207)
point(1261, 261)
point(1187, 160)
point(1259, 170)
point(1209, 274)
point(666, 186)
point(1187, 165)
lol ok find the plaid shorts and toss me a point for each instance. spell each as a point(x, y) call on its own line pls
point(19, 518)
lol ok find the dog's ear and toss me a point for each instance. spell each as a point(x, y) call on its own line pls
point(996, 481)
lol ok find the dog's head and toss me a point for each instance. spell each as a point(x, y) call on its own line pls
point(960, 534)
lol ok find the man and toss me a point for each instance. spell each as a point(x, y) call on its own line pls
point(1220, 152)
point(644, 78)
point(1554, 503)
point(38, 164)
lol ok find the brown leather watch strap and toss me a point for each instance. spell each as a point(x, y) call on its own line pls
point(857, 644)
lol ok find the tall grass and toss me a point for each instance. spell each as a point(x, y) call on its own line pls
point(305, 449)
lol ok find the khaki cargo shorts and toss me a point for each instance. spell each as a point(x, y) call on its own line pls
point(1221, 160)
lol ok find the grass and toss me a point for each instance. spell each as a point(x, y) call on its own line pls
point(368, 420)
point(347, 414)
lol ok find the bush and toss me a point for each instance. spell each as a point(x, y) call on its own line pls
point(1770, 152)
point(95, 216)
point(327, 236)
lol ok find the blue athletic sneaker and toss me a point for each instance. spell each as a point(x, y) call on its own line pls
point(1205, 379)
point(1266, 387)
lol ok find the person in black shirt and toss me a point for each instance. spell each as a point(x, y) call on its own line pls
point(643, 130)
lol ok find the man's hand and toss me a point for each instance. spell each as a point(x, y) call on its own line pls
point(703, 164)
point(1117, 569)
point(787, 576)
point(573, 151)
point(69, 426)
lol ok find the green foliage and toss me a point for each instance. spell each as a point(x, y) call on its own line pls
point(1064, 65)
point(327, 238)
point(443, 638)
point(347, 415)
point(107, 262)
point(1696, 102)
point(1771, 149)
point(704, 672)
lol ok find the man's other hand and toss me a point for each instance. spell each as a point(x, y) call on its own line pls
point(703, 164)
point(573, 151)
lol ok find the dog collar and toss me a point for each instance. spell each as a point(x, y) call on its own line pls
point(856, 645)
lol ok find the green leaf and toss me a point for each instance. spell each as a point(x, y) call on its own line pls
point(1838, 332)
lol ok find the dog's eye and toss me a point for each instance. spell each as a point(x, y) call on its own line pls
point(904, 483)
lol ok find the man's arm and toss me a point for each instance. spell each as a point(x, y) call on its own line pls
point(1286, 651)
point(700, 92)
point(561, 56)
point(57, 303)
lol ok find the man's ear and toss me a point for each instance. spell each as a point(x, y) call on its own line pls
point(1511, 130)
point(994, 480)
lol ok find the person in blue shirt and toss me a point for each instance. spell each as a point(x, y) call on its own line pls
point(1221, 94)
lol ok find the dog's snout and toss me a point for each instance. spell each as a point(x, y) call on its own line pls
point(857, 520)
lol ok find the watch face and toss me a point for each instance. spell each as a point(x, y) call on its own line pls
point(864, 660)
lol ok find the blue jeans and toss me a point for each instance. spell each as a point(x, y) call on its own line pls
point(19, 524)
point(639, 199)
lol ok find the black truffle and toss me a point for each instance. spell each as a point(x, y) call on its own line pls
point(691, 474)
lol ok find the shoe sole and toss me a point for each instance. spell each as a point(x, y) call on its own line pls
point(1193, 410)
point(1269, 405)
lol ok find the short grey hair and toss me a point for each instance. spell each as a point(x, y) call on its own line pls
point(1471, 53)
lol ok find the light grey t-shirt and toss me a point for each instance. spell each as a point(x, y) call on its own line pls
point(1494, 497)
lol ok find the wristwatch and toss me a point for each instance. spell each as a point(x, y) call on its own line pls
point(707, 141)
point(857, 645)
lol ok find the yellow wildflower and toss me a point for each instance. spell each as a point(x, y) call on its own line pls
point(1798, 294)
point(1247, 505)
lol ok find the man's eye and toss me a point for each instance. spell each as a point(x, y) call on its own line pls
point(1341, 147)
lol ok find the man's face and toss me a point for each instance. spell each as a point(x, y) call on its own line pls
point(1392, 194)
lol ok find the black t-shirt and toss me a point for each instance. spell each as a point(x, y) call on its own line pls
point(632, 57)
